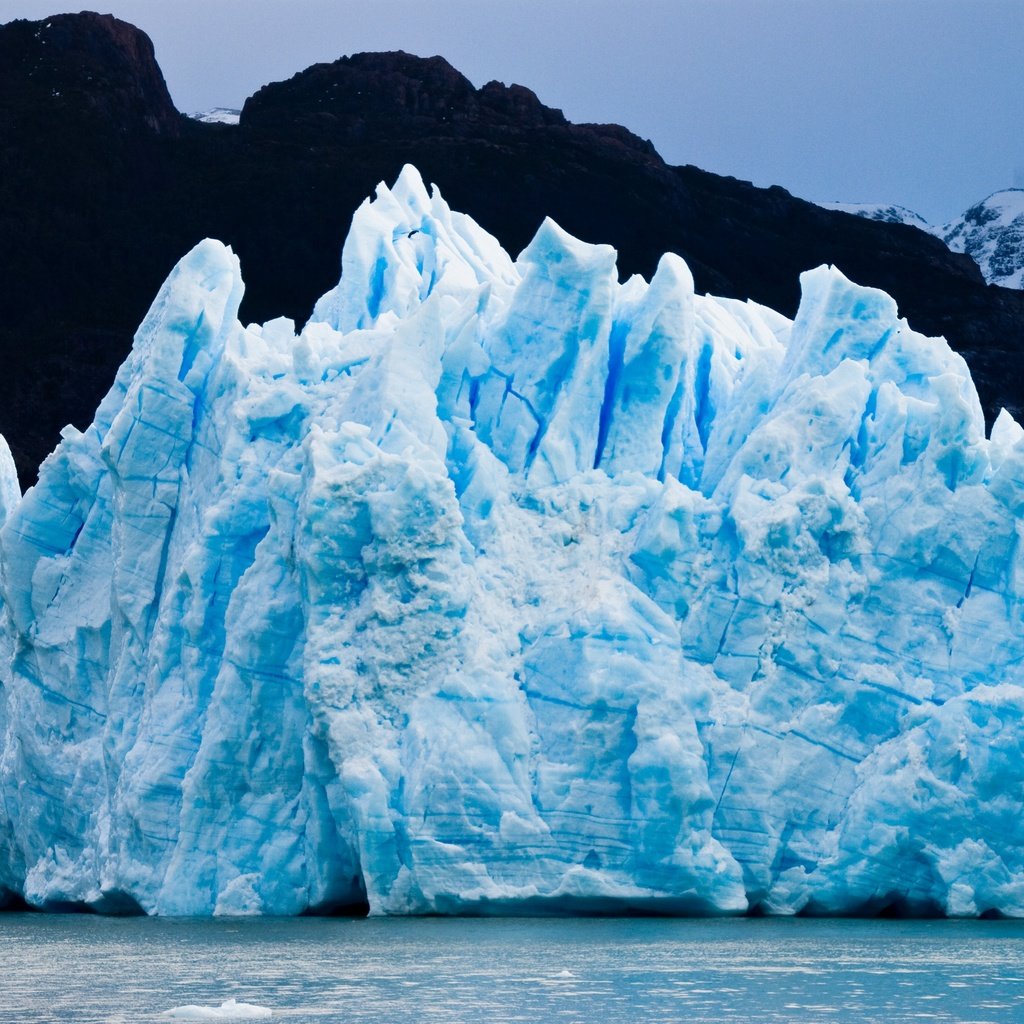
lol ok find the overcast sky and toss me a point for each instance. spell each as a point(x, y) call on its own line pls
point(917, 102)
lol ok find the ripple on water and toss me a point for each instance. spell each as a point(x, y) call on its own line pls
point(89, 970)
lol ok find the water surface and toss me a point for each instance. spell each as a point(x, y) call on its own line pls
point(565, 971)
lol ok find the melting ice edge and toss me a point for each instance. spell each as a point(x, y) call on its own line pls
point(506, 587)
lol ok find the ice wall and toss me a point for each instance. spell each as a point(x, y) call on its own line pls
point(507, 586)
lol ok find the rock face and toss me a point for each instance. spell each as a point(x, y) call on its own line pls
point(81, 67)
point(383, 96)
point(103, 185)
point(85, 124)
point(506, 586)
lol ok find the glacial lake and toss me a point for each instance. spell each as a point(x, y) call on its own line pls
point(58, 969)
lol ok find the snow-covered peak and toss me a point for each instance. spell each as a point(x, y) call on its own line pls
point(992, 234)
point(217, 115)
point(887, 212)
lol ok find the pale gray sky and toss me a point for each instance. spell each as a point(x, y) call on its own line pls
point(917, 102)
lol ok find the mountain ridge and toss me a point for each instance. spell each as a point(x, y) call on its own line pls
point(85, 210)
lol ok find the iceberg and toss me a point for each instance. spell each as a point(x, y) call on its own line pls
point(506, 586)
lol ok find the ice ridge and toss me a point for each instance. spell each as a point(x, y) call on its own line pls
point(507, 586)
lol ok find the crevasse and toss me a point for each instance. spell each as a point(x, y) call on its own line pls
point(504, 586)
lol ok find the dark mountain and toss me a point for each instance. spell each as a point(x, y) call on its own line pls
point(104, 185)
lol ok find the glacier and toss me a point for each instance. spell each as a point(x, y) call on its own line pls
point(504, 586)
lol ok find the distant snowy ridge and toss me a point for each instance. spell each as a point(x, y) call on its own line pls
point(991, 233)
point(504, 586)
point(217, 115)
point(889, 213)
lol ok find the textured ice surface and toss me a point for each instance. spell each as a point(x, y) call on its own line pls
point(506, 586)
point(10, 491)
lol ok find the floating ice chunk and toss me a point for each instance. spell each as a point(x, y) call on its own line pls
point(228, 1010)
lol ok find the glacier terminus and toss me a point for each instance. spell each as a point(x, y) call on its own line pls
point(506, 587)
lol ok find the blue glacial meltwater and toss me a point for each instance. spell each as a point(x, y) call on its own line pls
point(87, 970)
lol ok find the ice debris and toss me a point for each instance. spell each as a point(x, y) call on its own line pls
point(228, 1010)
point(506, 585)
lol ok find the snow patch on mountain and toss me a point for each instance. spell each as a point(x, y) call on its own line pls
point(890, 213)
point(217, 115)
point(992, 234)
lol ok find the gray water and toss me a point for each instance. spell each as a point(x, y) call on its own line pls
point(572, 971)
